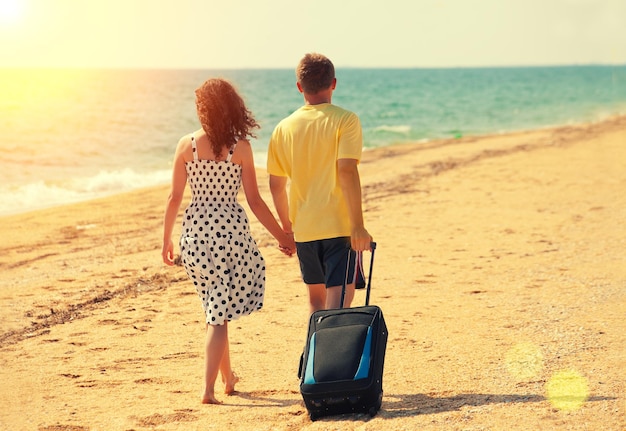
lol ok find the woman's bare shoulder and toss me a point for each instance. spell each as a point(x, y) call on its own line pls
point(184, 146)
point(244, 143)
point(243, 152)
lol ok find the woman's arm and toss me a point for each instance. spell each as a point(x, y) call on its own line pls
point(256, 202)
point(179, 181)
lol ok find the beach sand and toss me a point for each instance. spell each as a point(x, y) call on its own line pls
point(500, 269)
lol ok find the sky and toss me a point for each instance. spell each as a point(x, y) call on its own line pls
point(226, 34)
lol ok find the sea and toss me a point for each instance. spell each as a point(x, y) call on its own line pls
point(69, 135)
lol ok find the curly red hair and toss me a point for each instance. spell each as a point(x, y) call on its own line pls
point(223, 114)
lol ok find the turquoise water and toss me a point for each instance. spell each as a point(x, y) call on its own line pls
point(71, 135)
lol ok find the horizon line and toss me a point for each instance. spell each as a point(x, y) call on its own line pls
point(519, 66)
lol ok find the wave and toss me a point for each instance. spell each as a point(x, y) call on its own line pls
point(41, 194)
point(400, 129)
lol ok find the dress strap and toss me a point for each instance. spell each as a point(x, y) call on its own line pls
point(194, 147)
point(230, 153)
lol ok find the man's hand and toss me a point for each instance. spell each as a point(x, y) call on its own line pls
point(360, 240)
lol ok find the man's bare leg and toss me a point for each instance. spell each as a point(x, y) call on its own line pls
point(317, 297)
point(333, 296)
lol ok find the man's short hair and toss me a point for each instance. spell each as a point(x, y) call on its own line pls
point(315, 73)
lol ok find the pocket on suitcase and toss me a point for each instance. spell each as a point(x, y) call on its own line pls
point(339, 354)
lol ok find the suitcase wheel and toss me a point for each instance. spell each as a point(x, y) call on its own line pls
point(374, 409)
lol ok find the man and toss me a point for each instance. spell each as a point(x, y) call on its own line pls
point(316, 151)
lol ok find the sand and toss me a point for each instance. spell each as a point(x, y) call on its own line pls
point(500, 269)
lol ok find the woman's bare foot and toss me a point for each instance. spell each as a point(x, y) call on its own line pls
point(209, 398)
point(230, 383)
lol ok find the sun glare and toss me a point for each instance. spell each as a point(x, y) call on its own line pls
point(10, 11)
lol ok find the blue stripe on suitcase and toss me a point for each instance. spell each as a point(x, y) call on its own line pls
point(364, 366)
point(309, 379)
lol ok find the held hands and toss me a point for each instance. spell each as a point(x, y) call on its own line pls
point(287, 245)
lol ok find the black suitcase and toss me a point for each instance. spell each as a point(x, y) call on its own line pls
point(341, 369)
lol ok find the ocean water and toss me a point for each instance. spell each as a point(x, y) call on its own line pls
point(73, 135)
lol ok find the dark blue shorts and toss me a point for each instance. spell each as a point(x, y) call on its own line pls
point(324, 261)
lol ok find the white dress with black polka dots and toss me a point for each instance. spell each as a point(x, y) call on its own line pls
point(218, 252)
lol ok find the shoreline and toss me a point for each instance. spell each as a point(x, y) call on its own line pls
point(499, 269)
point(428, 143)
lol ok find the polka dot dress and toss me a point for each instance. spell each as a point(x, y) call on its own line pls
point(218, 252)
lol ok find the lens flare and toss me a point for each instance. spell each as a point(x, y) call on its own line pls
point(567, 390)
point(524, 361)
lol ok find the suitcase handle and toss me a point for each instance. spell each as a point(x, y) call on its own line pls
point(369, 278)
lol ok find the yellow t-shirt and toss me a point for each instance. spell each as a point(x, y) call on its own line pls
point(305, 147)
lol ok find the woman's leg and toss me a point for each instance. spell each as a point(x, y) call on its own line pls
point(228, 376)
point(216, 346)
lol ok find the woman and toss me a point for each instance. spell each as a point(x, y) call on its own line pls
point(218, 252)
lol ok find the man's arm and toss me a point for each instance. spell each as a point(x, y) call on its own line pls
point(350, 183)
point(278, 187)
